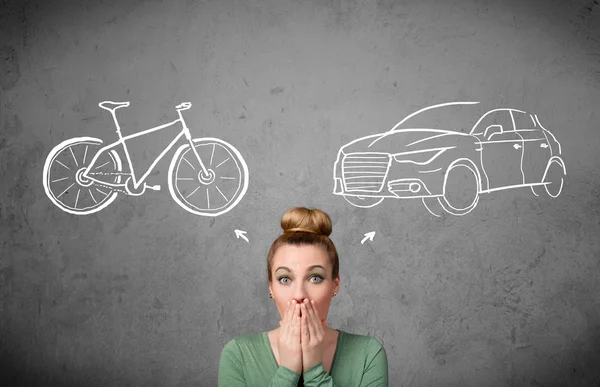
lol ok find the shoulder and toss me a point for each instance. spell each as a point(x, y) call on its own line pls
point(245, 343)
point(363, 343)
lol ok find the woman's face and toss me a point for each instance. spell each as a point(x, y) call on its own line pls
point(300, 272)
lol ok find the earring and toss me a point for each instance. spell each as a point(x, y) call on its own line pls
point(334, 294)
point(270, 295)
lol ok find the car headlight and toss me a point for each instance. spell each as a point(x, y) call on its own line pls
point(420, 157)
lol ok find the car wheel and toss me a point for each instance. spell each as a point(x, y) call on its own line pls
point(363, 201)
point(433, 205)
point(553, 179)
point(461, 189)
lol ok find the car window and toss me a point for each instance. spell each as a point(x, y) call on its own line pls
point(459, 117)
point(495, 120)
point(523, 120)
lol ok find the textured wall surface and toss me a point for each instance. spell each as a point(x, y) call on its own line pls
point(145, 293)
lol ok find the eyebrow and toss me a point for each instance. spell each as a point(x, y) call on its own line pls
point(309, 269)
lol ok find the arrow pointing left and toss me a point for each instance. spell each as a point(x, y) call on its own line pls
point(241, 234)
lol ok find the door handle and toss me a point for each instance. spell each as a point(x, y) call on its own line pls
point(517, 146)
point(543, 145)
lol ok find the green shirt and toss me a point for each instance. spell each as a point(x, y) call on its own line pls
point(359, 361)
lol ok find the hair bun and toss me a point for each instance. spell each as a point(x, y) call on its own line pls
point(301, 219)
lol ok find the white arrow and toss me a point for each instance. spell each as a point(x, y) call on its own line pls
point(240, 234)
point(369, 235)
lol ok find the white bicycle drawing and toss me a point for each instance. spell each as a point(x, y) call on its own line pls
point(207, 176)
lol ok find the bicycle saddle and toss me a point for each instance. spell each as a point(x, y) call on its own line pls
point(109, 105)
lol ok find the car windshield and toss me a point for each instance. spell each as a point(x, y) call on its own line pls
point(459, 117)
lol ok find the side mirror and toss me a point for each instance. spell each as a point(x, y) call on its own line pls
point(491, 130)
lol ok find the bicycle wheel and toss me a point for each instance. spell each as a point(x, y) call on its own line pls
point(213, 194)
point(63, 180)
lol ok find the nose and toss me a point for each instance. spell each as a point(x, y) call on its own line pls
point(299, 293)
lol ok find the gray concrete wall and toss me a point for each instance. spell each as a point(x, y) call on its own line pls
point(145, 293)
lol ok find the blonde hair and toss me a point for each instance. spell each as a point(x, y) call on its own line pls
point(303, 226)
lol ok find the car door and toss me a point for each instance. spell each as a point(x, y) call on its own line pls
point(536, 149)
point(501, 150)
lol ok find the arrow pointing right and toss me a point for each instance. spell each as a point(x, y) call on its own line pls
point(369, 235)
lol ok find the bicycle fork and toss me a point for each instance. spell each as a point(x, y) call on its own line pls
point(206, 174)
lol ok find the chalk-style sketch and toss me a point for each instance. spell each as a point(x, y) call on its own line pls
point(207, 176)
point(368, 236)
point(241, 234)
point(447, 168)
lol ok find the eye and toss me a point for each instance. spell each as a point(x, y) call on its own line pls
point(284, 280)
point(317, 278)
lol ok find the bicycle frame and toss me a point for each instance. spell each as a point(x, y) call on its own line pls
point(136, 183)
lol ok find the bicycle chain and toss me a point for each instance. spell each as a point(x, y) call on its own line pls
point(112, 188)
point(107, 186)
point(109, 173)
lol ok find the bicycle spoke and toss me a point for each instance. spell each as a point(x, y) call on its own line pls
point(102, 165)
point(93, 198)
point(69, 187)
point(188, 163)
point(62, 178)
point(63, 165)
point(207, 199)
point(227, 178)
point(185, 178)
point(224, 197)
point(212, 154)
point(85, 154)
point(222, 163)
point(77, 198)
point(104, 193)
point(73, 154)
point(193, 192)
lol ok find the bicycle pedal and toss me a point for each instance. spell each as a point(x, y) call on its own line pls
point(153, 187)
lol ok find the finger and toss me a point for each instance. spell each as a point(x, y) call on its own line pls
point(297, 318)
point(304, 325)
point(287, 325)
point(286, 314)
point(290, 311)
point(315, 311)
point(306, 331)
point(312, 314)
point(316, 328)
point(283, 331)
point(295, 315)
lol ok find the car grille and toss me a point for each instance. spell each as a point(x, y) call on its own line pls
point(365, 172)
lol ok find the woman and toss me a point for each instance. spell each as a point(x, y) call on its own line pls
point(302, 269)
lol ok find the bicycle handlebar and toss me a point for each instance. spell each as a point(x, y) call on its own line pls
point(184, 106)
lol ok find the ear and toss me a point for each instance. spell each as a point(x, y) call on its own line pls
point(336, 284)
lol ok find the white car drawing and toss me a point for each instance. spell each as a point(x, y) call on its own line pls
point(449, 167)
